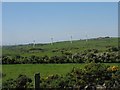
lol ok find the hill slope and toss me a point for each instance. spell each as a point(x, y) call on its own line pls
point(102, 44)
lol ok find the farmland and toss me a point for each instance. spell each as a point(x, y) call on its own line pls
point(52, 50)
point(12, 71)
point(103, 50)
point(59, 58)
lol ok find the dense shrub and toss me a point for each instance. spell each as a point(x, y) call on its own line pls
point(22, 81)
point(89, 55)
point(93, 75)
point(113, 49)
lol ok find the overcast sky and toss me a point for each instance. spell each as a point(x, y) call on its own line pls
point(25, 22)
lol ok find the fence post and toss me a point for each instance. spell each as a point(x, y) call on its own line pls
point(37, 81)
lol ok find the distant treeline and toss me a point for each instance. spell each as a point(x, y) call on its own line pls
point(110, 56)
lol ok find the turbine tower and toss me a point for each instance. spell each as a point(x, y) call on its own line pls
point(51, 40)
point(71, 39)
point(33, 43)
point(86, 38)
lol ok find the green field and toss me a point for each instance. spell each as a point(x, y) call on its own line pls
point(47, 49)
point(12, 71)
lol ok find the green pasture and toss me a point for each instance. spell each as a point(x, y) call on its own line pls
point(76, 46)
point(12, 71)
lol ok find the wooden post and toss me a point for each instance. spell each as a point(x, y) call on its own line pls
point(37, 81)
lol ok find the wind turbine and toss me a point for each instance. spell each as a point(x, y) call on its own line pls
point(33, 43)
point(70, 35)
point(86, 38)
point(52, 40)
point(71, 39)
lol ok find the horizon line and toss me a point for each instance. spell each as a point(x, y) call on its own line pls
point(57, 41)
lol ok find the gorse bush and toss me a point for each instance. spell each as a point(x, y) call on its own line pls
point(92, 75)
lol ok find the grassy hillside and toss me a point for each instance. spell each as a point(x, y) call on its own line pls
point(55, 49)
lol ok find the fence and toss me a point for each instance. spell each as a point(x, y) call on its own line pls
point(37, 81)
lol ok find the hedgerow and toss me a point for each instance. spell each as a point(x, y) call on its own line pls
point(91, 76)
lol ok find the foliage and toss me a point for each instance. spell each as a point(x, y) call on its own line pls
point(92, 75)
point(22, 81)
point(86, 56)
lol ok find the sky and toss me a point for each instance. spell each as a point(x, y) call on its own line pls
point(0, 24)
point(60, 0)
point(24, 22)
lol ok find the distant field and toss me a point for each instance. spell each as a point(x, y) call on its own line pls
point(12, 71)
point(47, 49)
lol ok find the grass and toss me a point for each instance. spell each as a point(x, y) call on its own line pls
point(12, 71)
point(81, 45)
